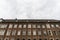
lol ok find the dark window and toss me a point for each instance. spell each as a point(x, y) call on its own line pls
point(18, 39)
point(23, 39)
point(28, 39)
point(45, 39)
point(57, 39)
point(40, 39)
point(34, 39)
point(51, 39)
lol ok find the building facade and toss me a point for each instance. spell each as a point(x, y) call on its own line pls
point(11, 29)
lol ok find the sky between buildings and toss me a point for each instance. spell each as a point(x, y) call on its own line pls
point(30, 9)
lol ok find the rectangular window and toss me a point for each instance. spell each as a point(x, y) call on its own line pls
point(29, 25)
point(3, 25)
point(57, 26)
point(39, 32)
point(38, 26)
point(10, 25)
point(15, 25)
point(29, 32)
point(19, 32)
point(44, 33)
point(34, 25)
point(24, 26)
point(20, 25)
point(34, 32)
point(23, 32)
point(48, 25)
point(2, 32)
point(6, 38)
point(52, 26)
point(8, 32)
point(13, 32)
point(43, 26)
point(50, 32)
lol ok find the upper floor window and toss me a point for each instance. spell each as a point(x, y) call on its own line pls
point(52, 25)
point(10, 25)
point(2, 32)
point(34, 32)
point(24, 32)
point(39, 32)
point(38, 26)
point(19, 32)
point(57, 25)
point(29, 32)
point(8, 32)
point(3, 25)
point(20, 25)
point(44, 33)
point(15, 25)
point(24, 26)
point(48, 25)
point(13, 32)
point(43, 26)
point(29, 25)
point(34, 25)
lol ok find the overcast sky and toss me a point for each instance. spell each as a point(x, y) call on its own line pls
point(30, 9)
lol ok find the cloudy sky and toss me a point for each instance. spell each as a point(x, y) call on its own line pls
point(30, 9)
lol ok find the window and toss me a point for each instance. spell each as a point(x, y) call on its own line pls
point(2, 32)
point(45, 39)
point(19, 32)
point(29, 32)
point(24, 26)
point(23, 39)
point(44, 33)
point(47, 25)
point(57, 26)
point(43, 26)
point(3, 25)
point(24, 32)
point(12, 38)
point(50, 32)
point(51, 39)
point(55, 33)
point(18, 39)
point(8, 32)
point(6, 38)
point(13, 32)
point(40, 39)
point(28, 39)
point(38, 26)
point(34, 32)
point(15, 25)
point(10, 25)
point(34, 39)
point(34, 25)
point(52, 26)
point(20, 25)
point(39, 32)
point(29, 25)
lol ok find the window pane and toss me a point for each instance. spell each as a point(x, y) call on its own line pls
point(19, 32)
point(57, 26)
point(39, 32)
point(43, 26)
point(38, 26)
point(29, 25)
point(8, 32)
point(34, 25)
point(24, 26)
point(48, 25)
point(52, 26)
point(29, 32)
point(20, 26)
point(23, 32)
point(13, 32)
point(15, 25)
point(2, 32)
point(3, 25)
point(44, 33)
point(10, 25)
point(34, 32)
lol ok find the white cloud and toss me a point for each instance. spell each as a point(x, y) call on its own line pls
point(35, 9)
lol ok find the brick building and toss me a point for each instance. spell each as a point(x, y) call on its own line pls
point(29, 29)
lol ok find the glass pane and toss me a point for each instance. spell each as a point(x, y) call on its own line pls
point(13, 32)
point(29, 32)
point(29, 25)
point(2, 32)
point(24, 26)
point(34, 32)
point(15, 25)
point(20, 26)
point(38, 26)
point(34, 25)
point(10, 25)
point(48, 25)
point(19, 32)
point(8, 32)
point(43, 26)
point(3, 25)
